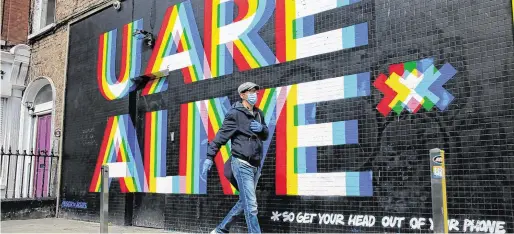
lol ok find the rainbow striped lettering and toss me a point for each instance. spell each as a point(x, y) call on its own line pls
point(178, 46)
point(120, 151)
point(228, 39)
point(199, 121)
point(298, 136)
point(112, 87)
point(156, 128)
point(295, 38)
point(154, 86)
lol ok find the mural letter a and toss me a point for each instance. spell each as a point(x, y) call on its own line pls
point(120, 151)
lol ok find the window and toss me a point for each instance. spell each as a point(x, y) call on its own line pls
point(43, 101)
point(44, 95)
point(43, 14)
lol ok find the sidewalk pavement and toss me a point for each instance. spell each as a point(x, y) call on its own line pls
point(55, 225)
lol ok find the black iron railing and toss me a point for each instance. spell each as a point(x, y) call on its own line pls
point(28, 174)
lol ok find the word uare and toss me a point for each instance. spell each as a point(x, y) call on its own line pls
point(227, 39)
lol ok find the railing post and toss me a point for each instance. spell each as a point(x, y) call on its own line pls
point(104, 200)
point(438, 180)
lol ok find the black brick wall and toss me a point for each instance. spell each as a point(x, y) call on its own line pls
point(476, 130)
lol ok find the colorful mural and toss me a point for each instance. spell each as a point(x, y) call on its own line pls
point(294, 33)
point(298, 135)
point(154, 86)
point(333, 144)
point(226, 39)
point(120, 150)
point(290, 110)
point(156, 129)
point(199, 121)
point(414, 84)
point(178, 46)
point(113, 87)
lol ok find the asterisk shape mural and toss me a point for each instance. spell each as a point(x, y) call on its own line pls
point(413, 85)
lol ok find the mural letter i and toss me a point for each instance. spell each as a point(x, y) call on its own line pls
point(156, 127)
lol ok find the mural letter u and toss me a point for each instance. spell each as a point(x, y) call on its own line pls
point(110, 86)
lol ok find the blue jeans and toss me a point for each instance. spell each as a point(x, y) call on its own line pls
point(247, 177)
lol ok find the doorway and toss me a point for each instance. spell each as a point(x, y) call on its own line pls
point(42, 165)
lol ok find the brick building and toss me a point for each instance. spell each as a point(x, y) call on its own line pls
point(15, 56)
point(15, 22)
point(48, 39)
point(355, 92)
point(34, 40)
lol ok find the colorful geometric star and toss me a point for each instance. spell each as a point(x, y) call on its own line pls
point(413, 85)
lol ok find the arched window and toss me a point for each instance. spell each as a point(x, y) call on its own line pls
point(43, 101)
point(44, 95)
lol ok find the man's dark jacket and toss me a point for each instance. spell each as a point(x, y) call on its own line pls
point(245, 144)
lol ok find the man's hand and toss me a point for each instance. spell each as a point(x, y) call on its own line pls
point(255, 126)
point(207, 164)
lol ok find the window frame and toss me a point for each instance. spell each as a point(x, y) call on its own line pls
point(39, 15)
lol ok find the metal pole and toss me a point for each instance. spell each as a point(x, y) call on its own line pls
point(104, 200)
point(439, 206)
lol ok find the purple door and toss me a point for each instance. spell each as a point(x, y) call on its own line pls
point(41, 167)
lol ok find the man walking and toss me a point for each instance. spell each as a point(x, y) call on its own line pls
point(244, 125)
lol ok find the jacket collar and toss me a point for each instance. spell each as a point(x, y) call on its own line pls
point(240, 107)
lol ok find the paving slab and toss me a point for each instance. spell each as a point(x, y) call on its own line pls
point(56, 225)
